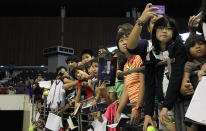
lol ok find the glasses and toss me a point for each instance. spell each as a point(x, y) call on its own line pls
point(165, 28)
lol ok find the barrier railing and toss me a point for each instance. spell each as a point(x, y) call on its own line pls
point(179, 112)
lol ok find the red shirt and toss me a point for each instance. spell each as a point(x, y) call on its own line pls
point(3, 91)
point(89, 92)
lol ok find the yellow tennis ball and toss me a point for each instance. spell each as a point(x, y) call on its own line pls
point(31, 128)
point(168, 123)
point(151, 128)
point(46, 92)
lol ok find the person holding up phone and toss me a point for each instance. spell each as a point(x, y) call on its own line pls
point(166, 44)
point(146, 22)
point(198, 22)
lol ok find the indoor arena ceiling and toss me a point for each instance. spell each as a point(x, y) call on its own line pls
point(93, 8)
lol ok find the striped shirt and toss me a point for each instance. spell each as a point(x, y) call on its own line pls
point(132, 81)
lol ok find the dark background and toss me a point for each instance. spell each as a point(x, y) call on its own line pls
point(28, 26)
point(93, 8)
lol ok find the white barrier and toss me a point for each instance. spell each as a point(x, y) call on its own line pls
point(18, 102)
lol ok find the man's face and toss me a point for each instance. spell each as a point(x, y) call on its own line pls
point(90, 70)
point(64, 72)
point(72, 64)
point(86, 58)
point(95, 68)
point(101, 51)
point(81, 75)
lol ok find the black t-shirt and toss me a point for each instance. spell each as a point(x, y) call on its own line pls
point(141, 49)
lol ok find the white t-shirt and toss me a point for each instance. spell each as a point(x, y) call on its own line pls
point(164, 56)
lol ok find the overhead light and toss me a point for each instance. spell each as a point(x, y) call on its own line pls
point(110, 49)
point(186, 35)
point(1, 66)
point(42, 66)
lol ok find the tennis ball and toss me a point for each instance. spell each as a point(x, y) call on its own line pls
point(31, 128)
point(151, 128)
point(168, 123)
point(46, 92)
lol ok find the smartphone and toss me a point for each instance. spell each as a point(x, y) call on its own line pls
point(199, 15)
point(197, 20)
point(161, 10)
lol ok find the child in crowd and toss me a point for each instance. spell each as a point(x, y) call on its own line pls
point(56, 97)
point(102, 51)
point(142, 46)
point(133, 82)
point(112, 93)
point(92, 70)
point(196, 51)
point(72, 61)
point(81, 76)
point(165, 81)
point(69, 82)
point(86, 56)
point(94, 73)
point(166, 43)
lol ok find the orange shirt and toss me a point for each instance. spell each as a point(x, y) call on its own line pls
point(132, 80)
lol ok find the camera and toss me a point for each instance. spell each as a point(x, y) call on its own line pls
point(60, 74)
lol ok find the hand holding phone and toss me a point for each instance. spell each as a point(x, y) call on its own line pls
point(197, 19)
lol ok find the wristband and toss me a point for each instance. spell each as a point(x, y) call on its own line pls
point(139, 22)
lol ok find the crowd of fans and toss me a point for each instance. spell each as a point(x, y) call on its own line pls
point(152, 92)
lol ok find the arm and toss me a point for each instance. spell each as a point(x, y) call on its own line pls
point(62, 110)
point(106, 95)
point(186, 88)
point(101, 91)
point(66, 80)
point(134, 35)
point(123, 102)
point(192, 29)
point(77, 98)
point(67, 85)
point(149, 95)
point(141, 91)
point(135, 114)
point(91, 87)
